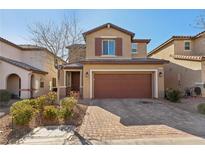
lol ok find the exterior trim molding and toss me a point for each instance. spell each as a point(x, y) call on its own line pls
point(73, 70)
point(156, 95)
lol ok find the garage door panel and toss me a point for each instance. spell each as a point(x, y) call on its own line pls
point(122, 86)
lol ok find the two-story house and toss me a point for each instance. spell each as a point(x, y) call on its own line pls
point(186, 54)
point(114, 65)
point(26, 70)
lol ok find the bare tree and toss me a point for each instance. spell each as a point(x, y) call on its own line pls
point(55, 38)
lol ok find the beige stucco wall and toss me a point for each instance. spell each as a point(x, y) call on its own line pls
point(199, 46)
point(6, 69)
point(37, 58)
point(179, 48)
point(141, 50)
point(179, 74)
point(90, 42)
point(88, 67)
point(44, 61)
point(10, 51)
point(38, 91)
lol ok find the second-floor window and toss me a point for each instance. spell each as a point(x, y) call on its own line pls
point(108, 47)
point(134, 47)
point(187, 45)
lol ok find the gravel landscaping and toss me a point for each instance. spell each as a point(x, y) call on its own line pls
point(9, 135)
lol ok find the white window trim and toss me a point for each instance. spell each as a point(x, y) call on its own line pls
point(155, 92)
point(73, 70)
point(108, 47)
point(190, 45)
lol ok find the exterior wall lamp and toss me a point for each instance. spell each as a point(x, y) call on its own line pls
point(86, 74)
point(160, 74)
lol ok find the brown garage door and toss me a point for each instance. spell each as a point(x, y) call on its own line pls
point(122, 86)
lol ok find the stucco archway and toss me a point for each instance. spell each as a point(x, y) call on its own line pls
point(14, 85)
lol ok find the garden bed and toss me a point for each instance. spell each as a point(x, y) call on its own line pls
point(9, 135)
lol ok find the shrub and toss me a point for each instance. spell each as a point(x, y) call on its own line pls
point(173, 95)
point(68, 103)
point(64, 113)
point(5, 97)
point(201, 108)
point(40, 102)
point(51, 97)
point(21, 112)
point(50, 112)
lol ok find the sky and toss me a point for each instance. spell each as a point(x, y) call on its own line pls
point(157, 25)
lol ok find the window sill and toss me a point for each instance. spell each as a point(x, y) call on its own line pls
point(108, 56)
point(187, 50)
point(134, 53)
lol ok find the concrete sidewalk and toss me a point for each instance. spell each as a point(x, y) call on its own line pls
point(48, 135)
point(154, 141)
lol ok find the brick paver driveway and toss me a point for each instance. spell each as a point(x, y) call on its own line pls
point(124, 119)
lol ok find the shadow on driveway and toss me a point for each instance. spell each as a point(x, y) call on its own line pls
point(134, 112)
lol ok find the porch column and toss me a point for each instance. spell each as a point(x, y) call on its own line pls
point(25, 85)
point(156, 83)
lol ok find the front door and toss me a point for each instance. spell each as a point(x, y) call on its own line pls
point(75, 81)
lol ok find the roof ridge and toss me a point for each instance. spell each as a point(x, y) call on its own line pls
point(109, 25)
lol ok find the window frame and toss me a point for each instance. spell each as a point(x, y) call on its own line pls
point(54, 84)
point(189, 45)
point(132, 48)
point(41, 84)
point(109, 40)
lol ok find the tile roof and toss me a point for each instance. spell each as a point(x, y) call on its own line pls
point(125, 61)
point(73, 65)
point(31, 47)
point(76, 46)
point(109, 25)
point(192, 58)
point(28, 47)
point(22, 65)
point(175, 38)
point(141, 40)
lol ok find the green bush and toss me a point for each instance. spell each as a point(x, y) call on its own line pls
point(40, 102)
point(50, 112)
point(201, 108)
point(173, 95)
point(21, 112)
point(51, 97)
point(64, 113)
point(5, 97)
point(68, 103)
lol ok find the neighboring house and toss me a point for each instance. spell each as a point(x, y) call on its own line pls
point(76, 53)
point(115, 65)
point(25, 70)
point(187, 61)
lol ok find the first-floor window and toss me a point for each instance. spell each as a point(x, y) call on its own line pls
point(53, 82)
point(108, 47)
point(41, 84)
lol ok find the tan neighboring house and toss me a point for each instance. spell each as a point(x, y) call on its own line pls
point(112, 64)
point(26, 70)
point(187, 61)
